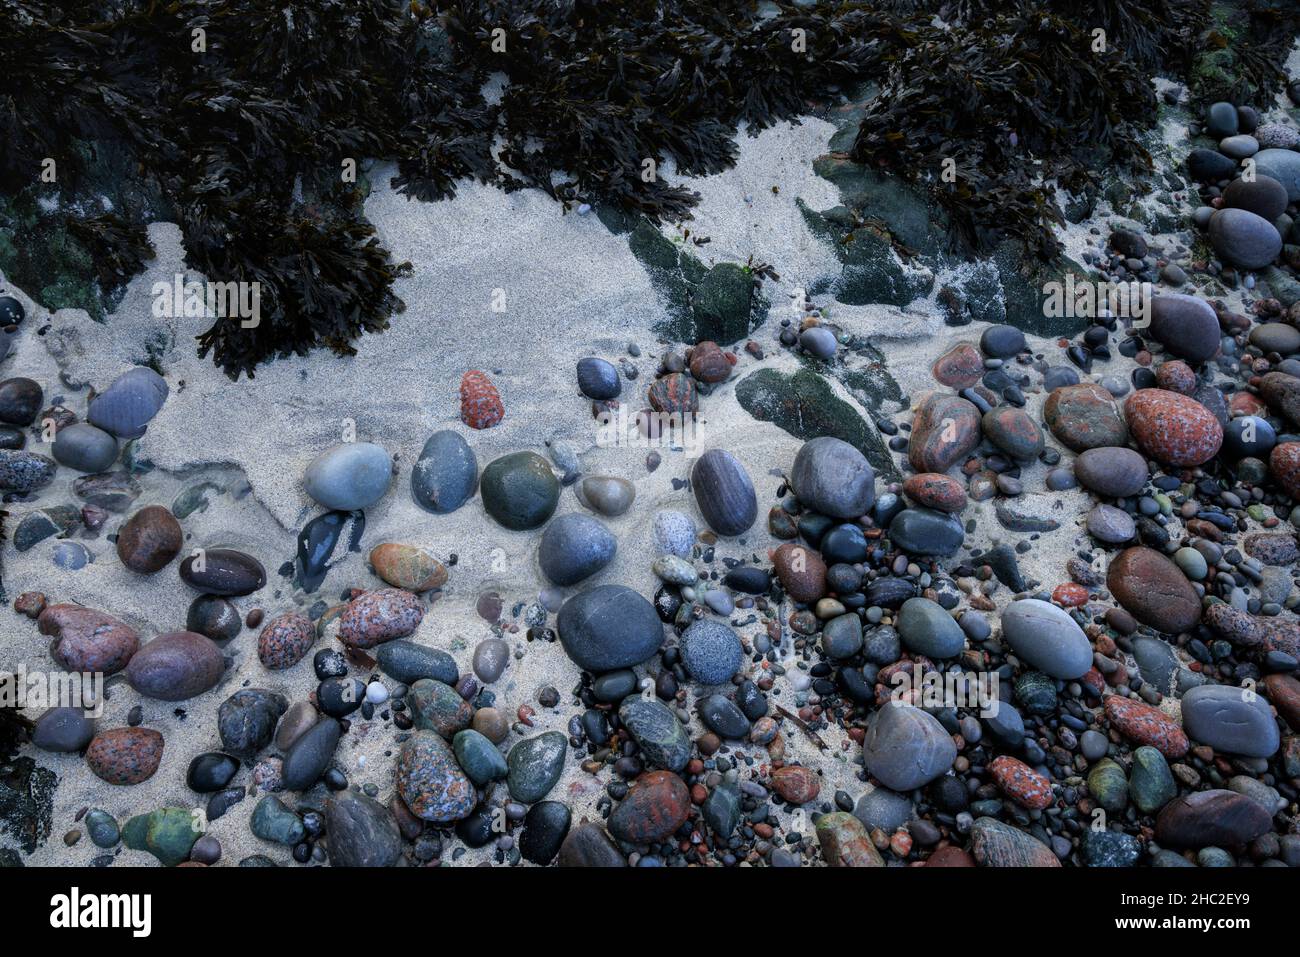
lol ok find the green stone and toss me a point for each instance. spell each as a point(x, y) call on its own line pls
point(1151, 784)
point(535, 765)
point(1108, 785)
point(478, 757)
point(102, 828)
point(167, 833)
point(519, 490)
point(273, 821)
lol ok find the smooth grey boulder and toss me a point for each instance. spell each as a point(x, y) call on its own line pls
point(906, 747)
point(1045, 637)
point(445, 475)
point(84, 448)
point(609, 627)
point(832, 477)
point(362, 832)
point(1232, 720)
point(575, 546)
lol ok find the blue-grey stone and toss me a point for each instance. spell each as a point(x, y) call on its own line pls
point(609, 627)
point(22, 472)
point(408, 662)
point(906, 747)
point(884, 809)
point(1045, 637)
point(445, 476)
point(1233, 720)
point(711, 651)
point(1244, 239)
point(534, 765)
point(842, 636)
point(85, 448)
point(834, 478)
point(575, 546)
point(819, 342)
point(926, 532)
point(127, 406)
point(928, 629)
point(674, 533)
point(1283, 166)
point(722, 716)
point(598, 378)
point(349, 476)
point(478, 757)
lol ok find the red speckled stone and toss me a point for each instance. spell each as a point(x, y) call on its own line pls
point(480, 404)
point(1176, 376)
point(960, 367)
point(1070, 595)
point(86, 639)
point(379, 616)
point(1021, 783)
point(945, 429)
point(125, 755)
point(1173, 428)
point(1245, 403)
point(935, 490)
point(285, 640)
point(1284, 463)
point(796, 784)
point(675, 392)
point(1147, 725)
point(1084, 417)
point(657, 805)
point(1269, 633)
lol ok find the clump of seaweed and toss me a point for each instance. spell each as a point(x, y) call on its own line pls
point(238, 119)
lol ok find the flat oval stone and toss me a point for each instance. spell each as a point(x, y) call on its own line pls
point(83, 447)
point(491, 656)
point(598, 378)
point(445, 476)
point(660, 736)
point(1282, 165)
point(176, 666)
point(960, 367)
point(925, 532)
point(609, 627)
point(1111, 471)
point(210, 771)
point(129, 404)
point(246, 720)
point(724, 492)
point(842, 636)
point(362, 832)
point(1153, 590)
point(1244, 239)
point(125, 755)
point(935, 490)
point(674, 533)
point(223, 571)
point(479, 757)
point(408, 567)
point(408, 662)
point(519, 490)
point(379, 616)
point(1047, 638)
point(575, 546)
point(1231, 720)
point(309, 756)
point(86, 640)
point(656, 806)
point(349, 476)
point(149, 540)
point(1147, 725)
point(721, 716)
point(285, 641)
point(1084, 416)
point(1186, 326)
point(945, 429)
point(1111, 525)
point(906, 747)
point(1263, 196)
point(927, 629)
point(63, 730)
point(1214, 818)
point(435, 706)
point(1173, 428)
point(535, 765)
point(430, 782)
point(833, 478)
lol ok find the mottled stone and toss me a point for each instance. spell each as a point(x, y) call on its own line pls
point(176, 666)
point(125, 755)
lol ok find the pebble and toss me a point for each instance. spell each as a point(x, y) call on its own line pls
point(844, 841)
point(656, 806)
point(129, 404)
point(519, 490)
point(63, 730)
point(724, 493)
point(574, 547)
point(1111, 525)
point(362, 832)
point(936, 491)
point(480, 403)
point(349, 477)
point(176, 666)
point(285, 641)
point(309, 755)
point(906, 747)
point(379, 616)
point(833, 478)
point(490, 659)
point(246, 720)
point(1147, 726)
point(408, 662)
point(149, 540)
point(24, 472)
point(711, 651)
point(545, 827)
point(926, 628)
point(535, 765)
point(445, 475)
point(479, 757)
point(660, 736)
point(607, 495)
point(407, 567)
point(609, 627)
point(213, 617)
point(1153, 589)
point(802, 572)
point(1214, 818)
point(1047, 638)
point(598, 378)
point(1111, 471)
point(674, 533)
point(945, 429)
point(86, 640)
point(1084, 416)
point(435, 706)
point(995, 844)
point(223, 571)
point(1231, 720)
point(924, 532)
point(125, 755)
point(84, 448)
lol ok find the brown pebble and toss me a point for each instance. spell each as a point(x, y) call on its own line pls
point(254, 618)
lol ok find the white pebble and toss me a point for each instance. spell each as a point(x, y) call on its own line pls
point(376, 692)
